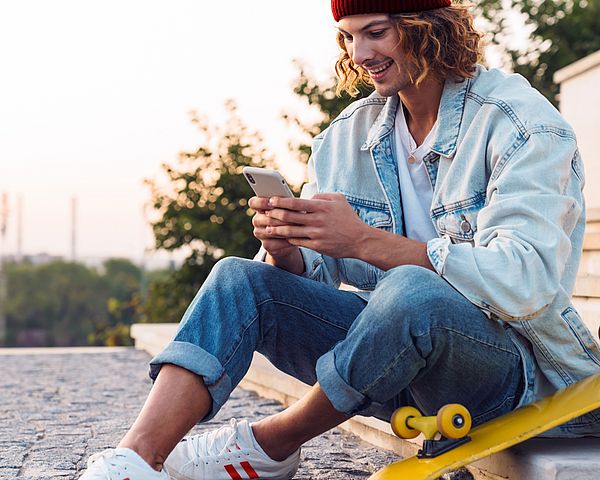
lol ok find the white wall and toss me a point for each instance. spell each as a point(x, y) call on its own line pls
point(580, 105)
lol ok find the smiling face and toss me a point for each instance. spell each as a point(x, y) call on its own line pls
point(372, 43)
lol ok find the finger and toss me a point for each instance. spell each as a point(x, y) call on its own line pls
point(289, 216)
point(304, 242)
point(260, 220)
point(259, 203)
point(262, 233)
point(296, 204)
point(289, 231)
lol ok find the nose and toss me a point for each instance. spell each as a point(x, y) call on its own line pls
point(361, 51)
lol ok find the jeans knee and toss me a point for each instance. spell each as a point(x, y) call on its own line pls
point(409, 278)
point(235, 272)
point(409, 289)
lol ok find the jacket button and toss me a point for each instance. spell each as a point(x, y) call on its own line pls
point(465, 226)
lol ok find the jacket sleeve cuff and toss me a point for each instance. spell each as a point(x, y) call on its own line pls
point(261, 255)
point(437, 251)
point(312, 262)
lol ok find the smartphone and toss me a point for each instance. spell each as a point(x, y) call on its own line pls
point(266, 182)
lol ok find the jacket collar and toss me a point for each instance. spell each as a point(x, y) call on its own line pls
point(450, 114)
point(383, 124)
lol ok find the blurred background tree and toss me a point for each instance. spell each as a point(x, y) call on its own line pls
point(562, 31)
point(204, 208)
point(63, 303)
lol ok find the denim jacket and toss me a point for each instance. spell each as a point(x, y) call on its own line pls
point(507, 207)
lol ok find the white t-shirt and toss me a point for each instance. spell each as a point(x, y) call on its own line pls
point(416, 191)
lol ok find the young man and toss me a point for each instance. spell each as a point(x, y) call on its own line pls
point(451, 198)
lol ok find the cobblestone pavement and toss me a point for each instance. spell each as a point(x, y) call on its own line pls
point(58, 409)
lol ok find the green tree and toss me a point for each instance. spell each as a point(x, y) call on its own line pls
point(122, 280)
point(53, 304)
point(121, 283)
point(63, 303)
point(204, 209)
point(562, 31)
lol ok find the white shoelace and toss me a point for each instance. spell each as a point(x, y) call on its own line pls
point(103, 460)
point(207, 444)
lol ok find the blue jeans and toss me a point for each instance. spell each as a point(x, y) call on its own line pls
point(417, 341)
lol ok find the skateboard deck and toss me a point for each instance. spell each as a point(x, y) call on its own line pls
point(502, 432)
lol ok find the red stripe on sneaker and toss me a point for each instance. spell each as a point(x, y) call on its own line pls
point(249, 470)
point(232, 472)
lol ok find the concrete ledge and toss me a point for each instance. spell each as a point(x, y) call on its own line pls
point(591, 241)
point(576, 68)
point(536, 459)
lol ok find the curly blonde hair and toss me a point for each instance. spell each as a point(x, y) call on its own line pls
point(441, 42)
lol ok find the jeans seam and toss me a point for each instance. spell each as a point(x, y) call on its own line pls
point(390, 367)
point(396, 358)
point(239, 343)
point(498, 347)
point(296, 307)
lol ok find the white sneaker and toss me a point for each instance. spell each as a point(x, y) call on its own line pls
point(229, 453)
point(120, 464)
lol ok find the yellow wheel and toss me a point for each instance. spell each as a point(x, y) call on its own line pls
point(454, 421)
point(400, 419)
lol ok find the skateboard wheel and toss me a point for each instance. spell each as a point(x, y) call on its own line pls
point(400, 419)
point(453, 421)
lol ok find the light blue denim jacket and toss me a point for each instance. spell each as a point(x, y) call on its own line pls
point(507, 206)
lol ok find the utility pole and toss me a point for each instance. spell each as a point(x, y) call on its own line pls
point(3, 292)
point(19, 228)
point(73, 229)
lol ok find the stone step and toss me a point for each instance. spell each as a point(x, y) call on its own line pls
point(592, 216)
point(587, 286)
point(536, 459)
point(592, 227)
point(591, 241)
point(589, 309)
point(590, 263)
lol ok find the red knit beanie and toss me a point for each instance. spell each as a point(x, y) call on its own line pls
point(343, 8)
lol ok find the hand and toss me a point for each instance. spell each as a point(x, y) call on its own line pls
point(326, 223)
point(278, 248)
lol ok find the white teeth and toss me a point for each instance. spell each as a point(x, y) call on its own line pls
point(382, 68)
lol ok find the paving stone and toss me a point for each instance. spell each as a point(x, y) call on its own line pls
point(58, 409)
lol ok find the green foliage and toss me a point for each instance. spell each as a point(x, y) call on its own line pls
point(204, 209)
point(63, 304)
point(170, 294)
point(563, 31)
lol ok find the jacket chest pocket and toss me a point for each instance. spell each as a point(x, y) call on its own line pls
point(373, 213)
point(358, 273)
point(458, 220)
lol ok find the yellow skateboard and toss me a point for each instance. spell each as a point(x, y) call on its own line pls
point(450, 444)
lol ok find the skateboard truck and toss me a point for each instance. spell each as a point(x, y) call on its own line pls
point(451, 426)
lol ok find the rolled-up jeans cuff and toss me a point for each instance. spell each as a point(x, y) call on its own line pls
point(199, 361)
point(342, 396)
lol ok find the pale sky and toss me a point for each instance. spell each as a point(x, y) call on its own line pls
point(94, 96)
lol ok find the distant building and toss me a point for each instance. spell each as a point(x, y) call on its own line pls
point(42, 258)
point(580, 105)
